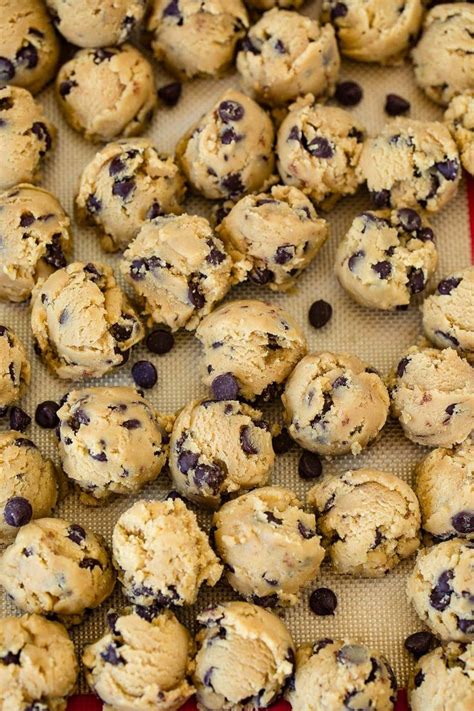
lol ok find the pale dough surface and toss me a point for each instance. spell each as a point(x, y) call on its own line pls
point(15, 369)
point(444, 679)
point(460, 119)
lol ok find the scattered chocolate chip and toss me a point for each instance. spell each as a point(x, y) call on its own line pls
point(195, 295)
point(271, 518)
point(45, 414)
point(320, 313)
point(420, 643)
point(111, 655)
point(381, 198)
point(102, 55)
point(229, 136)
point(19, 419)
point(144, 374)
point(320, 147)
point(42, 134)
point(348, 93)
point(261, 276)
point(54, 254)
point(282, 442)
point(230, 111)
point(419, 679)
point(7, 69)
point(321, 644)
point(123, 188)
point(449, 169)
point(409, 219)
point(416, 280)
point(11, 658)
point(66, 87)
point(210, 476)
point(446, 286)
point(440, 595)
point(154, 211)
point(266, 600)
point(90, 563)
point(27, 219)
point(323, 601)
point(463, 522)
point(76, 533)
point(352, 261)
point(452, 340)
point(233, 183)
point(309, 466)
point(338, 10)
point(306, 532)
point(116, 166)
point(383, 269)
point(172, 10)
point(18, 511)
point(160, 341)
point(396, 105)
point(170, 94)
point(225, 387)
point(402, 366)
point(187, 460)
point(93, 204)
point(284, 253)
point(245, 441)
point(28, 55)
point(111, 619)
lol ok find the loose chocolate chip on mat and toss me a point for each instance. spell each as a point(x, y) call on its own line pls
point(170, 94)
point(45, 415)
point(225, 387)
point(282, 442)
point(320, 313)
point(310, 466)
point(419, 643)
point(323, 601)
point(17, 511)
point(144, 374)
point(396, 105)
point(348, 93)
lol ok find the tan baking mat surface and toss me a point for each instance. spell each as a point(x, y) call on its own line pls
point(375, 611)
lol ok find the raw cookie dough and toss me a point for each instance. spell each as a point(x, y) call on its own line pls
point(111, 441)
point(318, 149)
point(229, 151)
point(460, 119)
point(178, 269)
point(26, 137)
point(262, 5)
point(142, 664)
point(443, 58)
point(271, 520)
point(374, 30)
point(334, 404)
point(15, 367)
point(96, 23)
point(432, 394)
point(445, 489)
point(272, 237)
point(245, 657)
point(441, 589)
point(56, 567)
point(340, 674)
point(29, 48)
point(448, 314)
point(386, 257)
point(161, 554)
point(36, 239)
point(219, 448)
point(28, 485)
point(286, 55)
point(39, 665)
point(196, 37)
point(369, 520)
point(106, 93)
point(82, 322)
point(443, 680)
point(126, 183)
point(251, 347)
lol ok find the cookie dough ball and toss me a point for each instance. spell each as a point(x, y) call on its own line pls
point(411, 164)
point(444, 679)
point(56, 567)
point(143, 663)
point(460, 119)
point(29, 49)
point(286, 55)
point(386, 257)
point(318, 149)
point(272, 237)
point(39, 664)
point(26, 137)
point(96, 23)
point(269, 519)
point(262, 5)
point(82, 322)
point(106, 93)
point(245, 657)
point(334, 404)
point(161, 554)
point(28, 485)
point(219, 448)
point(229, 151)
point(125, 184)
point(111, 441)
point(15, 367)
point(441, 589)
point(249, 349)
point(448, 314)
point(432, 394)
point(341, 674)
point(178, 269)
point(445, 489)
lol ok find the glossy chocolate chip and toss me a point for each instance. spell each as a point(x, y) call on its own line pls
point(116, 166)
point(90, 564)
point(449, 169)
point(446, 286)
point(187, 460)
point(420, 643)
point(76, 533)
point(416, 280)
point(102, 55)
point(7, 69)
point(172, 10)
point(160, 341)
point(246, 442)
point(195, 295)
point(144, 374)
point(463, 522)
point(123, 188)
point(93, 204)
point(353, 259)
point(306, 532)
point(339, 10)
point(321, 644)
point(233, 183)
point(323, 601)
point(402, 366)
point(170, 94)
point(381, 198)
point(409, 219)
point(10, 658)
point(230, 111)
point(54, 254)
point(440, 595)
point(265, 600)
point(418, 679)
point(282, 442)
point(466, 626)
point(382, 269)
point(225, 387)
point(28, 55)
point(19, 419)
point(271, 518)
point(18, 511)
point(396, 105)
point(45, 414)
point(261, 276)
point(320, 313)
point(42, 134)
point(348, 93)
point(154, 211)
point(284, 254)
point(310, 466)
point(229, 136)
point(112, 656)
point(320, 147)
point(210, 476)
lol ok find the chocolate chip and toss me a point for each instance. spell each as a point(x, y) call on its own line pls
point(402, 366)
point(99, 457)
point(123, 188)
point(28, 55)
point(112, 618)
point(154, 211)
point(425, 234)
point(215, 256)
point(282, 442)
point(195, 295)
point(230, 111)
point(228, 136)
point(93, 204)
point(463, 521)
point(418, 679)
point(27, 219)
point(270, 392)
point(116, 165)
point(266, 600)
point(339, 10)
point(320, 313)
point(352, 261)
point(18, 511)
point(416, 280)
point(320, 147)
point(233, 183)
point(66, 86)
point(42, 134)
point(246, 442)
point(383, 269)
point(310, 466)
point(246, 45)
point(396, 105)
point(409, 219)
point(466, 626)
point(271, 518)
point(284, 253)
point(306, 532)
point(449, 169)
point(76, 533)
point(144, 374)
point(54, 254)
point(11, 658)
point(261, 276)
point(450, 410)
point(23, 442)
point(446, 286)
point(381, 198)
point(7, 69)
point(294, 134)
point(78, 418)
point(172, 10)
point(452, 340)
point(210, 476)
point(225, 387)
point(348, 93)
point(323, 601)
point(321, 644)
point(160, 341)
point(440, 595)
point(187, 460)
point(207, 677)
point(111, 655)
point(45, 414)
point(420, 643)
point(340, 382)
point(173, 495)
point(90, 563)
point(102, 55)
point(170, 94)
point(19, 419)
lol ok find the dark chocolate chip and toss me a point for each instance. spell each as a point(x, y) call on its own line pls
point(310, 466)
point(348, 93)
point(102, 55)
point(246, 45)
point(339, 10)
point(18, 511)
point(246, 442)
point(233, 183)
point(27, 219)
point(306, 532)
point(230, 111)
point(210, 476)
point(225, 387)
point(381, 198)
point(449, 169)
point(170, 94)
point(76, 533)
point(54, 254)
point(45, 414)
point(195, 295)
point(19, 419)
point(187, 460)
point(396, 105)
point(28, 55)
point(402, 366)
point(382, 269)
point(320, 313)
point(319, 147)
point(321, 644)
point(323, 601)
point(440, 595)
point(284, 253)
point(112, 656)
point(42, 134)
point(7, 69)
point(90, 563)
point(172, 10)
point(409, 219)
point(229, 136)
point(463, 522)
point(466, 626)
point(160, 341)
point(66, 87)
point(93, 204)
point(452, 340)
point(420, 643)
point(154, 211)
point(116, 165)
point(266, 600)
point(123, 188)
point(418, 679)
point(352, 261)
point(111, 619)
point(144, 374)
point(11, 658)
point(446, 286)
point(261, 276)
point(271, 518)
point(282, 442)
point(416, 280)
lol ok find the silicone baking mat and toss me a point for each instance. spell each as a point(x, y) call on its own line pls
point(375, 611)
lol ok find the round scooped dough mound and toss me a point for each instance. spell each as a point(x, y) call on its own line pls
point(460, 119)
point(262, 5)
point(249, 349)
point(29, 48)
point(445, 489)
point(125, 184)
point(443, 58)
point(269, 519)
point(57, 567)
point(219, 448)
point(83, 323)
point(341, 674)
point(161, 554)
point(26, 137)
point(441, 589)
point(386, 257)
point(106, 93)
point(448, 314)
point(15, 367)
point(143, 663)
point(334, 404)
point(229, 151)
point(245, 657)
point(96, 23)
point(178, 269)
point(286, 55)
point(411, 164)
point(28, 484)
point(39, 664)
point(272, 237)
point(318, 149)
point(432, 394)
point(111, 441)
point(369, 519)
point(444, 679)
point(196, 37)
